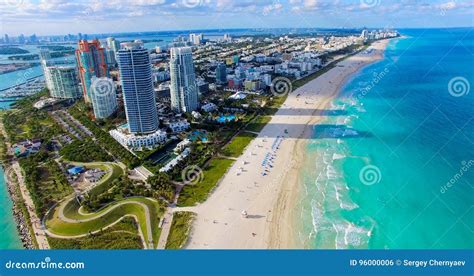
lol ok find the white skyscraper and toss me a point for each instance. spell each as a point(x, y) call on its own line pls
point(195, 39)
point(184, 90)
point(137, 88)
point(103, 97)
point(61, 78)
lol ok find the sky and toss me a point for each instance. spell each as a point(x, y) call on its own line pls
point(50, 17)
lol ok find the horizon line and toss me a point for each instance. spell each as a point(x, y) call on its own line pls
point(271, 28)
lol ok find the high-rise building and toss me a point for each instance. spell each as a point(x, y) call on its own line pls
point(110, 57)
point(195, 39)
point(364, 34)
point(21, 39)
point(103, 97)
point(92, 62)
point(61, 80)
point(7, 39)
point(113, 44)
point(112, 48)
point(183, 88)
point(33, 38)
point(227, 38)
point(137, 87)
point(221, 73)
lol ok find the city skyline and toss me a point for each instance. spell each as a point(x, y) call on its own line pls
point(60, 17)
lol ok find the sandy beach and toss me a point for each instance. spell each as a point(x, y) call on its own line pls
point(264, 179)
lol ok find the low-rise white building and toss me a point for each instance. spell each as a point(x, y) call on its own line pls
point(196, 115)
point(209, 107)
point(179, 126)
point(238, 96)
point(267, 79)
point(138, 142)
point(182, 145)
point(175, 161)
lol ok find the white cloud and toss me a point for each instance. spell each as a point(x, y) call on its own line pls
point(245, 11)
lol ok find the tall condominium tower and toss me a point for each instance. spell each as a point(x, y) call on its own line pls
point(221, 73)
point(112, 48)
point(61, 81)
point(137, 87)
point(195, 39)
point(61, 77)
point(103, 97)
point(92, 62)
point(184, 91)
point(113, 44)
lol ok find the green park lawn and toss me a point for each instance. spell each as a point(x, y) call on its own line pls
point(103, 218)
point(113, 171)
point(179, 230)
point(258, 124)
point(123, 235)
point(91, 222)
point(192, 194)
point(237, 146)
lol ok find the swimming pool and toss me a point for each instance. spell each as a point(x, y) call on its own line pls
point(225, 119)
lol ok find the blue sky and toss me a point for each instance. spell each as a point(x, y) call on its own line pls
point(46, 17)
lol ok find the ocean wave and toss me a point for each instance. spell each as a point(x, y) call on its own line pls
point(349, 235)
point(337, 156)
point(350, 133)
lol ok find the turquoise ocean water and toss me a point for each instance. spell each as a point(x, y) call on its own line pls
point(376, 173)
point(9, 238)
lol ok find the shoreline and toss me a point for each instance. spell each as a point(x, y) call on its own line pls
point(286, 204)
point(269, 194)
point(21, 221)
point(18, 217)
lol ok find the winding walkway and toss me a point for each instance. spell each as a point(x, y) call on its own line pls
point(113, 207)
point(51, 234)
point(105, 211)
point(57, 212)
